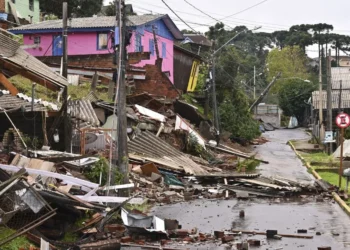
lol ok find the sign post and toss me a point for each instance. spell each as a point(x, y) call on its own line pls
point(342, 121)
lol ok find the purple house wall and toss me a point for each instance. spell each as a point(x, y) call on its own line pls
point(84, 40)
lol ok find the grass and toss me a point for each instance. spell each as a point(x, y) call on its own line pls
point(144, 207)
point(318, 157)
point(333, 178)
point(24, 86)
point(189, 99)
point(20, 242)
point(250, 165)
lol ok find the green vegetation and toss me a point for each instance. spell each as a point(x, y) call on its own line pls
point(144, 208)
point(24, 86)
point(332, 178)
point(189, 99)
point(70, 237)
point(20, 242)
point(249, 165)
point(94, 172)
point(318, 157)
point(194, 148)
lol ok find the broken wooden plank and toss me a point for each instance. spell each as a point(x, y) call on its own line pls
point(283, 235)
point(66, 178)
point(110, 199)
point(240, 154)
point(260, 183)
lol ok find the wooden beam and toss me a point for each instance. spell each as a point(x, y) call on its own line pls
point(31, 76)
point(8, 85)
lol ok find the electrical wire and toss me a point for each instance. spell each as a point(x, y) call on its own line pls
point(179, 16)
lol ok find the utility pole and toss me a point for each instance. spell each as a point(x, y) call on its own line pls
point(67, 128)
point(254, 82)
point(329, 101)
point(320, 99)
point(122, 144)
point(158, 61)
point(266, 90)
point(213, 56)
point(215, 106)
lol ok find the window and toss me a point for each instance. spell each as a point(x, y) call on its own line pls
point(102, 41)
point(31, 5)
point(138, 44)
point(37, 40)
point(151, 46)
point(163, 50)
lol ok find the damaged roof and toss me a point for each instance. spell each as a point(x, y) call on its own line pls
point(15, 60)
point(21, 101)
point(83, 110)
point(147, 146)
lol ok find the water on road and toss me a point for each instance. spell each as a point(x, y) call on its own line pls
point(284, 215)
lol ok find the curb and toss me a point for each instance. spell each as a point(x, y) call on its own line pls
point(341, 203)
point(336, 197)
point(314, 173)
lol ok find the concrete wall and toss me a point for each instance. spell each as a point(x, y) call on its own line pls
point(168, 61)
point(23, 11)
point(274, 119)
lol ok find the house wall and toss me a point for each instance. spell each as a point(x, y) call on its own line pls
point(23, 11)
point(78, 44)
point(168, 61)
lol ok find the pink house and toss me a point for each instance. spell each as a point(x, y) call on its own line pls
point(95, 35)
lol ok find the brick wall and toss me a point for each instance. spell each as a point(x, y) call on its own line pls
point(103, 61)
point(2, 6)
point(156, 83)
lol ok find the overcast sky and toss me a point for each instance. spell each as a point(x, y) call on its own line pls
point(270, 14)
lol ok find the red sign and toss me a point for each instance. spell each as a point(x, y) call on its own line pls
point(343, 120)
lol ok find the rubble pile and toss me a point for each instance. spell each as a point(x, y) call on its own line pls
point(169, 162)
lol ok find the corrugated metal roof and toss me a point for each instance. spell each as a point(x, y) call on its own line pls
point(83, 110)
point(89, 22)
point(10, 102)
point(12, 53)
point(340, 74)
point(151, 148)
point(199, 39)
point(335, 99)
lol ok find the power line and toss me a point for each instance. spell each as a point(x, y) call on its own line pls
point(251, 7)
point(205, 13)
point(179, 16)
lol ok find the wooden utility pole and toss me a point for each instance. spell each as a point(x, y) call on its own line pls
point(122, 140)
point(329, 101)
point(320, 99)
point(158, 61)
point(67, 128)
point(254, 83)
point(266, 90)
point(215, 105)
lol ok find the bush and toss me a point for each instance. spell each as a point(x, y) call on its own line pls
point(238, 121)
point(102, 166)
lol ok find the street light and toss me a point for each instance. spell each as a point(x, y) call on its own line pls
point(216, 117)
point(304, 80)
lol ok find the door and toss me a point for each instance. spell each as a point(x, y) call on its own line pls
point(57, 45)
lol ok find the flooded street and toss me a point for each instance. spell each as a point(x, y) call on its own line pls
point(284, 215)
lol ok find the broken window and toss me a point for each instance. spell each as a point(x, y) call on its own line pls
point(138, 43)
point(102, 41)
point(37, 40)
point(31, 5)
point(163, 50)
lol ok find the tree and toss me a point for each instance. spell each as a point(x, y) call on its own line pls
point(110, 9)
point(293, 96)
point(77, 8)
point(291, 61)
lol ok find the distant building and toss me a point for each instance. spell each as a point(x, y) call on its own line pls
point(94, 36)
point(17, 12)
point(269, 113)
point(198, 43)
point(186, 69)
